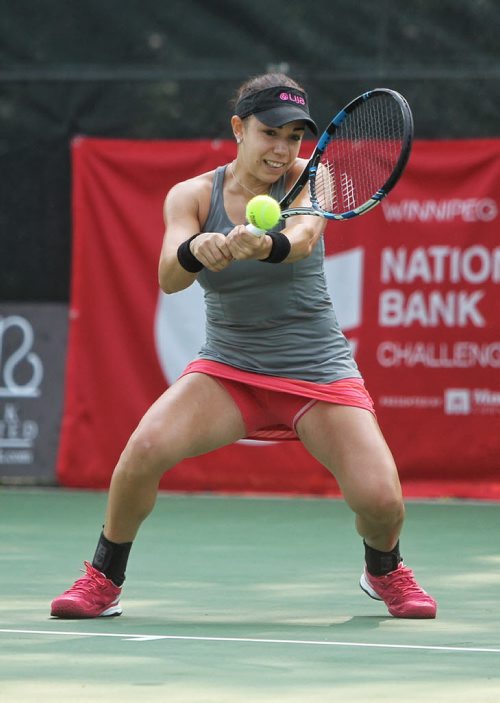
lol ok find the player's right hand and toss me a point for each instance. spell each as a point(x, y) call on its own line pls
point(210, 248)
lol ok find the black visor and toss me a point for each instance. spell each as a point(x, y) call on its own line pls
point(275, 107)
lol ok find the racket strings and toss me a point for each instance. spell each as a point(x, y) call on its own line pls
point(362, 155)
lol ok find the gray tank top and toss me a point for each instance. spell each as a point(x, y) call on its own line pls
point(273, 319)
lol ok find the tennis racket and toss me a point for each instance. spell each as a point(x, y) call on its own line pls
point(358, 159)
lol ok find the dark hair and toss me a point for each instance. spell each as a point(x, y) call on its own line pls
point(265, 80)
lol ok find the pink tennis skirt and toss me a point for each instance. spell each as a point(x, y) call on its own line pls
point(271, 406)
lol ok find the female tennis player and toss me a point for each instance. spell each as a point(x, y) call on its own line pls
point(275, 364)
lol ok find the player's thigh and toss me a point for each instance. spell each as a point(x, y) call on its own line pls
point(194, 415)
point(348, 441)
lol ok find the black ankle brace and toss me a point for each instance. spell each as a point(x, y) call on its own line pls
point(381, 563)
point(111, 559)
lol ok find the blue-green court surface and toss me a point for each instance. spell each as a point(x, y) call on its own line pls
point(239, 599)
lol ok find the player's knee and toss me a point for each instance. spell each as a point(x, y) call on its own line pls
point(384, 508)
point(391, 510)
point(148, 449)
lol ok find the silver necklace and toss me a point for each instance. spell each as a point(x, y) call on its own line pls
point(242, 185)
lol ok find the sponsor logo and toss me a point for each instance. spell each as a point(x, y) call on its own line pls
point(420, 402)
point(348, 191)
point(461, 355)
point(465, 209)
point(21, 373)
point(344, 279)
point(440, 264)
point(434, 309)
point(21, 370)
point(457, 401)
point(17, 437)
point(454, 401)
point(467, 401)
point(290, 97)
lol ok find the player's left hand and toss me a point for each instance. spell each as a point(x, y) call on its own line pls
point(244, 245)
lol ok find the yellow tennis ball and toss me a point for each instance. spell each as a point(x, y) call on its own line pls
point(263, 212)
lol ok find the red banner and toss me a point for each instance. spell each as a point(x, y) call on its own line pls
point(415, 284)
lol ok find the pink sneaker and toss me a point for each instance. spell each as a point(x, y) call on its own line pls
point(92, 596)
point(400, 592)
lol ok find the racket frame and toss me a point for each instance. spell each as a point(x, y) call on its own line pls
point(309, 173)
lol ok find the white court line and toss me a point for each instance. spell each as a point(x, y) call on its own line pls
point(251, 640)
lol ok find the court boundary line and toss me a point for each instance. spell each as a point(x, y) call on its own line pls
point(246, 495)
point(253, 640)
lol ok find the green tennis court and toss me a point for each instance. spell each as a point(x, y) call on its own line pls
point(234, 599)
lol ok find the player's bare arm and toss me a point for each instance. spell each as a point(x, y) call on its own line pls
point(183, 212)
point(303, 231)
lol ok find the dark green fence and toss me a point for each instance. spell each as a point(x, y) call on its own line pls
point(160, 69)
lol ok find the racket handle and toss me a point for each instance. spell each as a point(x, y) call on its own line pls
point(255, 230)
